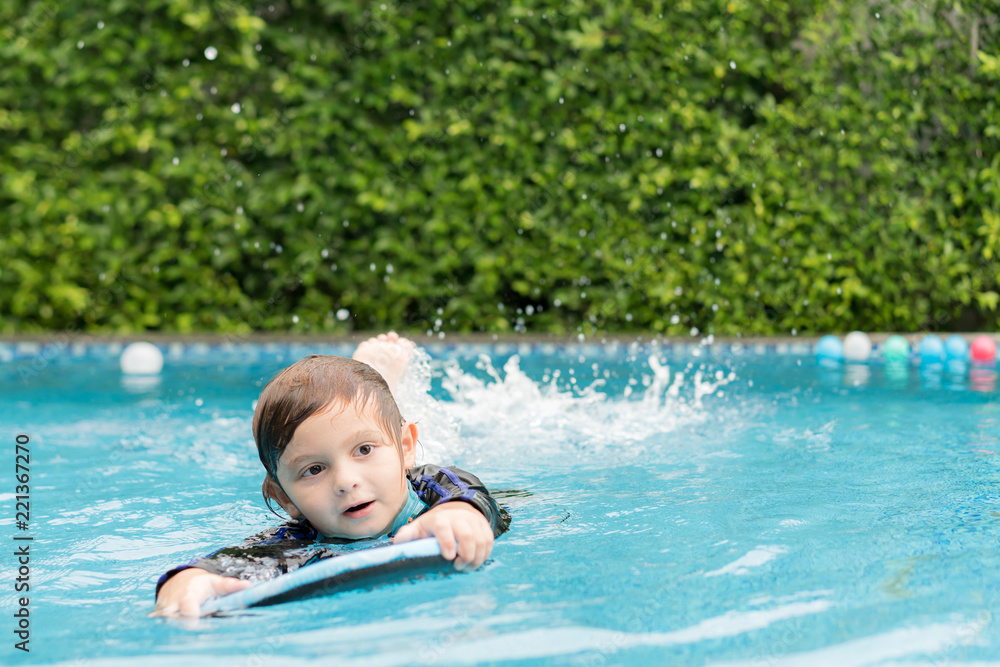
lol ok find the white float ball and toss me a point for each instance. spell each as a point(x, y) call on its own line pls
point(857, 346)
point(141, 359)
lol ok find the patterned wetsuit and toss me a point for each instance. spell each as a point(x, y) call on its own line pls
point(287, 547)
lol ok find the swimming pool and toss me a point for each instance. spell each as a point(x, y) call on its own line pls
point(757, 510)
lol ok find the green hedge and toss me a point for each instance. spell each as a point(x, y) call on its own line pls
point(470, 166)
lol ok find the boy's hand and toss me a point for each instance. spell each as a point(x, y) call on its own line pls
point(184, 592)
point(450, 523)
point(390, 355)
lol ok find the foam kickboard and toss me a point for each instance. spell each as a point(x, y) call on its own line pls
point(359, 569)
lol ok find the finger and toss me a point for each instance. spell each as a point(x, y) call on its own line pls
point(466, 550)
point(410, 531)
point(446, 538)
point(230, 585)
point(482, 551)
point(162, 611)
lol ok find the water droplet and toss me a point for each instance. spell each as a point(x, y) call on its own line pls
point(343, 314)
point(211, 53)
point(236, 107)
point(176, 160)
point(199, 402)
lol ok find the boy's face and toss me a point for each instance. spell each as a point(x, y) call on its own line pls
point(342, 473)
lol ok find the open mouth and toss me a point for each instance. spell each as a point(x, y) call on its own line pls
point(359, 507)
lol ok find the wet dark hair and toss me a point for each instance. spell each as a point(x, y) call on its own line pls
point(310, 386)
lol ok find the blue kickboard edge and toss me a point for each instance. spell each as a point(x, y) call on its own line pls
point(322, 577)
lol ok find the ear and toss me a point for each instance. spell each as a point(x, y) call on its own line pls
point(408, 440)
point(270, 489)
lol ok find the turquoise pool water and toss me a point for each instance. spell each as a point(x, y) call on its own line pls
point(683, 505)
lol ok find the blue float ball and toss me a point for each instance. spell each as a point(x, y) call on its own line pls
point(931, 349)
point(955, 347)
point(829, 348)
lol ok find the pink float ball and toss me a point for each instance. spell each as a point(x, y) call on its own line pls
point(983, 349)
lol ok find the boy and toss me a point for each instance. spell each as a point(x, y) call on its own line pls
point(340, 460)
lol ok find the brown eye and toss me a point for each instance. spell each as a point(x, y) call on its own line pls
point(365, 450)
point(310, 471)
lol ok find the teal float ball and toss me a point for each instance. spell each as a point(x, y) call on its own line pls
point(895, 348)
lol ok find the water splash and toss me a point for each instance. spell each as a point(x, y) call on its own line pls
point(511, 418)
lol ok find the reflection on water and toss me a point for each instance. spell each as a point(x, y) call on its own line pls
point(897, 374)
point(983, 379)
point(953, 375)
point(140, 384)
point(856, 375)
point(931, 375)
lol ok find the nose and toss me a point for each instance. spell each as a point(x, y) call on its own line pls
point(344, 480)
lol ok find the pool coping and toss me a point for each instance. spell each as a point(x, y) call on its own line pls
point(36, 351)
point(65, 337)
